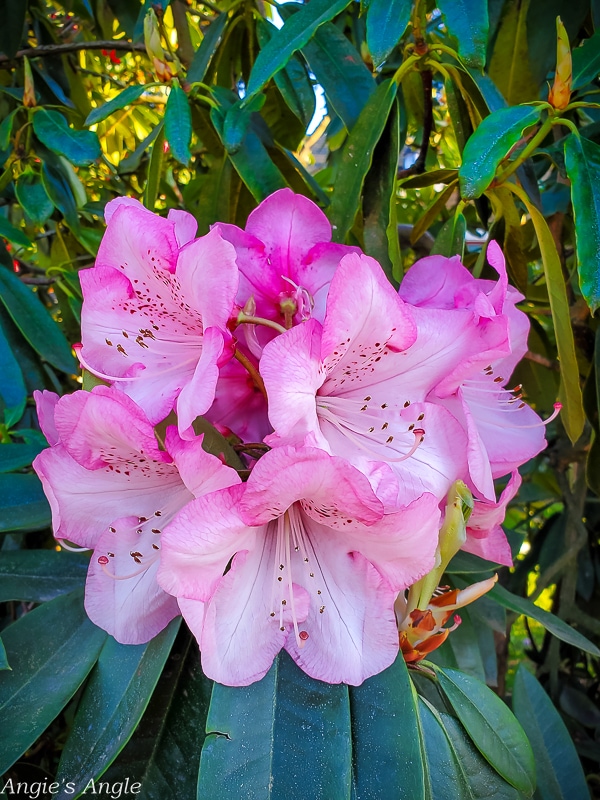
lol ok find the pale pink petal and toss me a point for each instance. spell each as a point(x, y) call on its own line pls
point(132, 609)
point(193, 613)
point(258, 276)
point(365, 317)
point(239, 637)
point(330, 489)
point(208, 278)
point(434, 281)
point(186, 225)
point(113, 205)
point(45, 403)
point(292, 371)
point(494, 547)
point(198, 392)
point(352, 630)
point(198, 544)
point(316, 272)
point(200, 471)
point(485, 536)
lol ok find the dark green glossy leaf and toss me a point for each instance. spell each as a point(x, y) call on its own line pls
point(12, 14)
point(251, 161)
point(380, 223)
point(292, 81)
point(17, 456)
point(124, 98)
point(3, 657)
point(509, 63)
point(12, 387)
point(81, 148)
point(560, 776)
point(490, 144)
point(492, 728)
point(467, 20)
point(386, 22)
point(35, 576)
point(23, 504)
point(35, 323)
point(586, 62)
point(295, 33)
point(208, 46)
point(572, 415)
point(51, 651)
point(341, 72)
point(457, 770)
point(552, 623)
point(450, 240)
point(112, 705)
point(356, 158)
point(60, 192)
point(582, 161)
point(32, 195)
point(163, 754)
point(6, 129)
point(287, 721)
point(465, 647)
point(14, 235)
point(132, 161)
point(25, 356)
point(237, 121)
point(430, 178)
point(155, 169)
point(178, 125)
point(387, 758)
point(464, 562)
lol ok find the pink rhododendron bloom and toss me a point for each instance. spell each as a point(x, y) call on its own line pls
point(301, 557)
point(156, 308)
point(485, 536)
point(112, 489)
point(357, 386)
point(286, 258)
point(503, 432)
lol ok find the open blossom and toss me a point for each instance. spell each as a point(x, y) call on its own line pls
point(286, 258)
point(155, 310)
point(301, 557)
point(112, 489)
point(357, 386)
point(503, 431)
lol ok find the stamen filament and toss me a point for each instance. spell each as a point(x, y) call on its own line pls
point(142, 569)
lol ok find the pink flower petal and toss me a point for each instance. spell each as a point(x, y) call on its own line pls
point(45, 403)
point(186, 225)
point(200, 471)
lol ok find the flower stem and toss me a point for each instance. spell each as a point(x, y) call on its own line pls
point(252, 371)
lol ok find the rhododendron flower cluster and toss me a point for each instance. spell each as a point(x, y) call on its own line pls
point(354, 411)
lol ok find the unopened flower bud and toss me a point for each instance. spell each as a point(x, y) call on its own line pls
point(560, 93)
point(29, 100)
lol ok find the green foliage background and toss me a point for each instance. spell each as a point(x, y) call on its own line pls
point(432, 133)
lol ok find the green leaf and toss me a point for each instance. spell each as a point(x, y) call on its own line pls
point(446, 176)
point(3, 657)
point(380, 222)
point(208, 47)
point(112, 705)
point(467, 20)
point(251, 161)
point(285, 721)
point(17, 456)
point(572, 416)
point(33, 197)
point(465, 647)
point(340, 70)
point(12, 387)
point(386, 22)
point(357, 157)
point(450, 240)
point(23, 504)
point(295, 33)
point(492, 728)
point(431, 213)
point(163, 754)
point(490, 144)
point(560, 776)
point(464, 562)
point(51, 651)
point(59, 190)
point(132, 161)
point(510, 64)
point(582, 161)
point(178, 124)
point(154, 169)
point(6, 129)
point(35, 323)
point(14, 235)
point(292, 81)
point(81, 148)
point(12, 13)
point(35, 576)
point(387, 758)
point(124, 98)
point(586, 62)
point(552, 623)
